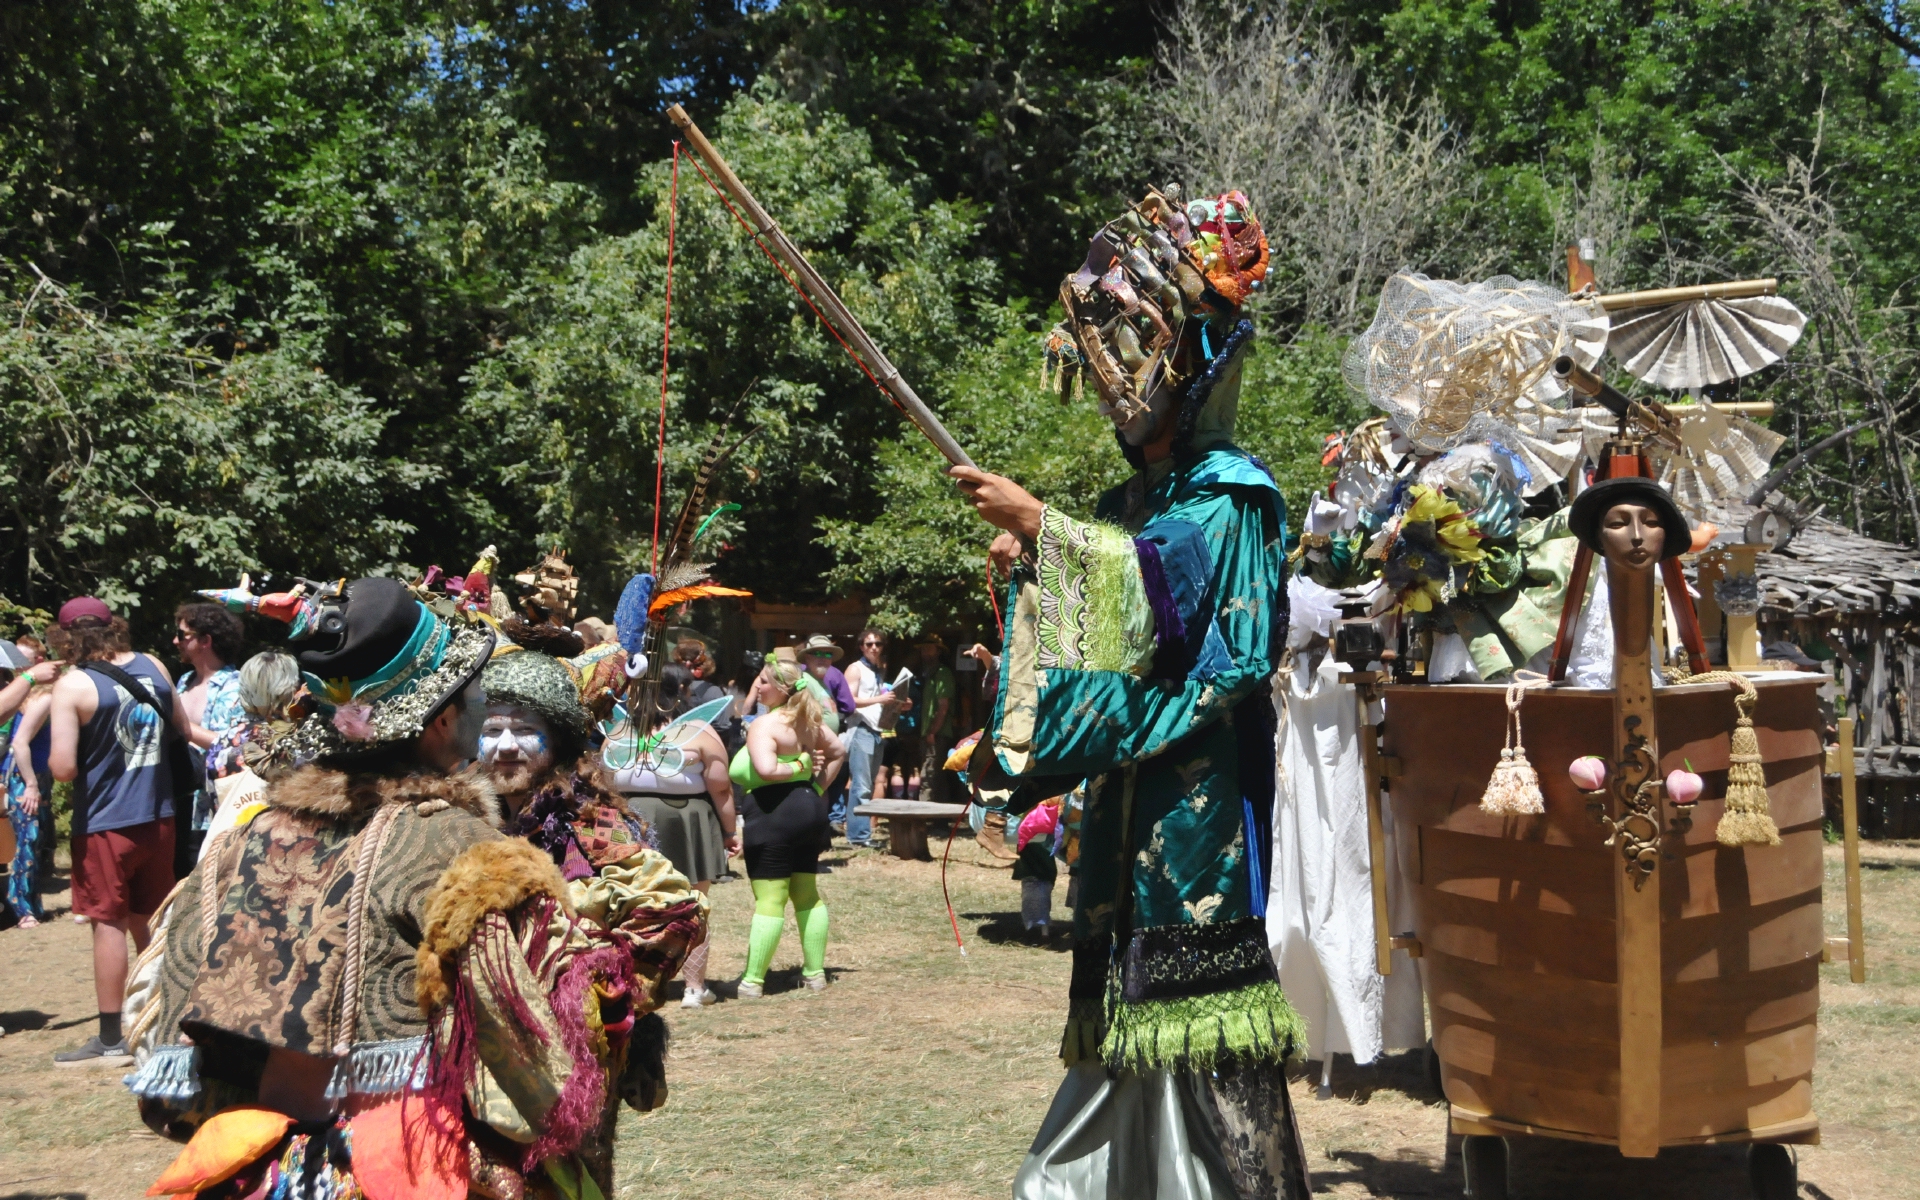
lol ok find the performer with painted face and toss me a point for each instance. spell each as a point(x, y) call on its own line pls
point(1137, 662)
point(639, 915)
point(366, 989)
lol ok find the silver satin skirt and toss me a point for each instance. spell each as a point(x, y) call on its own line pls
point(1224, 1134)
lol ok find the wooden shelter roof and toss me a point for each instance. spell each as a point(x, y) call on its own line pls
point(1829, 571)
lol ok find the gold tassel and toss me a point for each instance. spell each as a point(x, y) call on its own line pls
point(1748, 820)
point(1749, 817)
point(1514, 788)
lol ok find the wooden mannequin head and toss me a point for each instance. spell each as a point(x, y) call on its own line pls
point(1632, 536)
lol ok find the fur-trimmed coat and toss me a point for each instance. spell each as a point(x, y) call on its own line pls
point(465, 973)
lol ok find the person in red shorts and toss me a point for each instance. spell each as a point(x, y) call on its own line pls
point(110, 720)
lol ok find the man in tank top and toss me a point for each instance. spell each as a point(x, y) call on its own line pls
point(113, 746)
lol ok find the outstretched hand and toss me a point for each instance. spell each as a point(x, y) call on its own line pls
point(1000, 501)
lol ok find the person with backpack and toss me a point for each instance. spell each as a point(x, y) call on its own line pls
point(119, 734)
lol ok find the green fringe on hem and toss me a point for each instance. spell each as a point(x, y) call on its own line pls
point(1251, 1023)
point(1085, 1027)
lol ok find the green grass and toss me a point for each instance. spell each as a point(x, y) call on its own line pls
point(918, 1072)
point(925, 1074)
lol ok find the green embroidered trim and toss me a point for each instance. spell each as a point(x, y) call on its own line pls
point(1115, 600)
point(1250, 1023)
point(1085, 1027)
point(1093, 611)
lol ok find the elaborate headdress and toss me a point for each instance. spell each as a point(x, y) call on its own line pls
point(378, 663)
point(1153, 314)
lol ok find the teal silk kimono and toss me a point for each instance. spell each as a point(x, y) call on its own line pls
point(1138, 659)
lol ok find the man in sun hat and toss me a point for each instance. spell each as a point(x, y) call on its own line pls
point(396, 996)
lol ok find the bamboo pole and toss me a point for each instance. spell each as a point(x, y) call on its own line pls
point(1737, 289)
point(834, 310)
point(1850, 829)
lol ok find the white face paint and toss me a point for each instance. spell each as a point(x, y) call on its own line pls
point(515, 740)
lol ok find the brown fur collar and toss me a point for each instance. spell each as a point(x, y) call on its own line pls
point(320, 792)
point(487, 878)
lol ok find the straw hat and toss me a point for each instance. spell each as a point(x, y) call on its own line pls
point(820, 643)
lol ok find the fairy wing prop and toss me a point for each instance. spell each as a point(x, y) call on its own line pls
point(662, 752)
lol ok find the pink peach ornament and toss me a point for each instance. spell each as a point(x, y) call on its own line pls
point(1683, 787)
point(1589, 774)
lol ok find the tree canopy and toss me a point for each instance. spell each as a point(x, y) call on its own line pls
point(363, 285)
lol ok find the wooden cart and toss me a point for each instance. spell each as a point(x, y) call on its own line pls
point(1523, 948)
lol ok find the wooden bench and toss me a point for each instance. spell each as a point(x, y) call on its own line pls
point(907, 823)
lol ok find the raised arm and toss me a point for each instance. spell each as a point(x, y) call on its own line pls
point(16, 692)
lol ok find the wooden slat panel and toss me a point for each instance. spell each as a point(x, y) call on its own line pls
point(1686, 1114)
point(1568, 1062)
point(1523, 1000)
point(1571, 880)
point(1577, 1110)
point(1692, 1114)
point(1752, 1002)
point(1695, 885)
point(1515, 938)
point(1750, 1060)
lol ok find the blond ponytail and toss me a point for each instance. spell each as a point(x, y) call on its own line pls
point(803, 710)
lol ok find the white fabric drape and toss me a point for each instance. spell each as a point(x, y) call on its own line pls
point(1320, 903)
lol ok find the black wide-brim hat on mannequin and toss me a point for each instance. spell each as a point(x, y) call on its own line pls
point(380, 673)
point(1590, 509)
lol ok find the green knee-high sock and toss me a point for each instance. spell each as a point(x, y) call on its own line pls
point(763, 937)
point(810, 913)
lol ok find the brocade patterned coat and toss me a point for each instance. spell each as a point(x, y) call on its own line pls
point(476, 1026)
point(1138, 659)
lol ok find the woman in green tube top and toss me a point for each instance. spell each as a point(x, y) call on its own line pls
point(785, 767)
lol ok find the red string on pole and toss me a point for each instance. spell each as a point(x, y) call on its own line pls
point(993, 598)
point(666, 344)
point(782, 268)
point(953, 832)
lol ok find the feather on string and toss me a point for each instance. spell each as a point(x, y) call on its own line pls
point(680, 543)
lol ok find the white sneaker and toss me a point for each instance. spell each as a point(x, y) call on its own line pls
point(749, 991)
point(698, 998)
point(815, 983)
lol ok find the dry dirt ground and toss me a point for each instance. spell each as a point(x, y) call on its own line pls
point(921, 1073)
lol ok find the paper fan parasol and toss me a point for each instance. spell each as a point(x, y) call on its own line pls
point(1704, 341)
point(1721, 457)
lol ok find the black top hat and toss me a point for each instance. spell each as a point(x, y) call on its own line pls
point(381, 672)
point(382, 615)
point(1591, 506)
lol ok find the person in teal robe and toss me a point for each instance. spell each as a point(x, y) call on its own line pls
point(1138, 661)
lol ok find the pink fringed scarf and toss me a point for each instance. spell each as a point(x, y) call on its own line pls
point(578, 1112)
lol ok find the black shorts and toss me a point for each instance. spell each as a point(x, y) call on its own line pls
point(786, 830)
